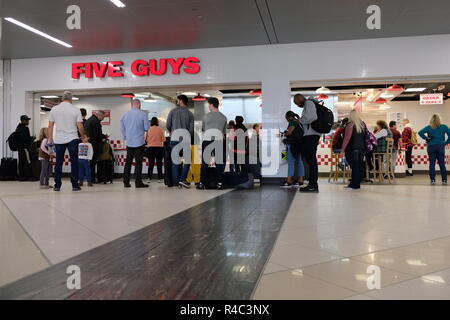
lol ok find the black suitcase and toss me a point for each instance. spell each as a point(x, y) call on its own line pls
point(105, 171)
point(211, 179)
point(8, 169)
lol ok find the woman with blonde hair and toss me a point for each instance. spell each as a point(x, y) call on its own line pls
point(434, 134)
point(45, 156)
point(354, 147)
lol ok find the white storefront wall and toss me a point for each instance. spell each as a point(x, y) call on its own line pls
point(274, 66)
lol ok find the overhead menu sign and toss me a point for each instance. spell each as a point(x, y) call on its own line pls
point(432, 98)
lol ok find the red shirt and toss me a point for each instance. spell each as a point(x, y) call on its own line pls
point(396, 135)
point(406, 137)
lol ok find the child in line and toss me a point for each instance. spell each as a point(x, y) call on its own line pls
point(45, 156)
point(85, 153)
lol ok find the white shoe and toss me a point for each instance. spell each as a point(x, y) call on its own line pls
point(160, 181)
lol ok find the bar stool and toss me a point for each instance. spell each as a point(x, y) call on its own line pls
point(383, 164)
point(335, 170)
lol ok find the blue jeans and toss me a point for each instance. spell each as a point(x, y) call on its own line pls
point(355, 160)
point(437, 152)
point(84, 170)
point(292, 161)
point(175, 167)
point(72, 146)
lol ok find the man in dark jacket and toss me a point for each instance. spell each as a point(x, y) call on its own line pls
point(93, 129)
point(24, 140)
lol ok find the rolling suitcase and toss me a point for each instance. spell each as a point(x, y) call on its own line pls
point(8, 169)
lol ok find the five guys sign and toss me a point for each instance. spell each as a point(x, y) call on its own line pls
point(190, 65)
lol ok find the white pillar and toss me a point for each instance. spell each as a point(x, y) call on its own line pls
point(276, 101)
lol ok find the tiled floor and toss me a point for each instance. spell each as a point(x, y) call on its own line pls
point(41, 227)
point(329, 240)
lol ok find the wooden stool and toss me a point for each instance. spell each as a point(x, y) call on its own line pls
point(383, 163)
point(334, 168)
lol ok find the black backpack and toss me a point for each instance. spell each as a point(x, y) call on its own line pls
point(13, 141)
point(325, 118)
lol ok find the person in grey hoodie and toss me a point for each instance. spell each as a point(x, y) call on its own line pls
point(180, 118)
point(310, 140)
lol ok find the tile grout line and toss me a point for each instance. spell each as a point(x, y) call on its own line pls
point(26, 232)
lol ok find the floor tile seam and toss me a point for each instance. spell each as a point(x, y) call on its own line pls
point(26, 233)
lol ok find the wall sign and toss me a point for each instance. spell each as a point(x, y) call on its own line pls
point(107, 120)
point(432, 98)
point(152, 67)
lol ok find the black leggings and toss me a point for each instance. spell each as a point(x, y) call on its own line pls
point(408, 157)
point(155, 153)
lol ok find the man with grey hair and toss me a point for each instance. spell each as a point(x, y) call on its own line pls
point(64, 123)
point(93, 127)
point(133, 125)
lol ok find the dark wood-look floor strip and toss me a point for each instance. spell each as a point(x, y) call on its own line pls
point(215, 250)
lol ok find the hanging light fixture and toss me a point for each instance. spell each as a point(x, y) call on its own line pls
point(322, 96)
point(127, 95)
point(323, 90)
point(387, 95)
point(255, 92)
point(150, 99)
point(199, 97)
point(380, 100)
point(395, 87)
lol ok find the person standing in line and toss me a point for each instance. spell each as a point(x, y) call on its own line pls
point(134, 125)
point(45, 156)
point(240, 150)
point(231, 128)
point(353, 148)
point(293, 150)
point(407, 141)
point(85, 153)
point(396, 135)
point(180, 118)
point(93, 127)
point(24, 141)
point(155, 142)
point(434, 134)
point(68, 122)
point(214, 120)
point(310, 141)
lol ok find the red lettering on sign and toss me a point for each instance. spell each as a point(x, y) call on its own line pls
point(192, 65)
point(140, 68)
point(77, 70)
point(100, 69)
point(162, 67)
point(115, 69)
point(175, 64)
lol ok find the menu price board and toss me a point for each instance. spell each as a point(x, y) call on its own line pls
point(432, 98)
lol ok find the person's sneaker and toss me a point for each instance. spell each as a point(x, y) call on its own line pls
point(286, 184)
point(409, 174)
point(433, 182)
point(149, 180)
point(185, 184)
point(297, 184)
point(444, 182)
point(127, 185)
point(56, 189)
point(200, 186)
point(76, 189)
point(90, 184)
point(141, 185)
point(44, 187)
point(160, 181)
point(219, 186)
point(309, 189)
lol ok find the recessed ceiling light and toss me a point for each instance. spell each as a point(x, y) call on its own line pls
point(42, 34)
point(384, 107)
point(415, 89)
point(387, 95)
point(75, 98)
point(49, 97)
point(118, 3)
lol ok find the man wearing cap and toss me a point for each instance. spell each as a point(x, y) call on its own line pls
point(65, 120)
point(24, 140)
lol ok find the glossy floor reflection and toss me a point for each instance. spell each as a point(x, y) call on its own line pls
point(214, 250)
point(328, 241)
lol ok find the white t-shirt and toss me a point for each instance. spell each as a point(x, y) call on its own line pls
point(85, 151)
point(65, 116)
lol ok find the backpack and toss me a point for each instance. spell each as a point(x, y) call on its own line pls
point(13, 141)
point(325, 118)
point(295, 139)
point(413, 137)
point(370, 141)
